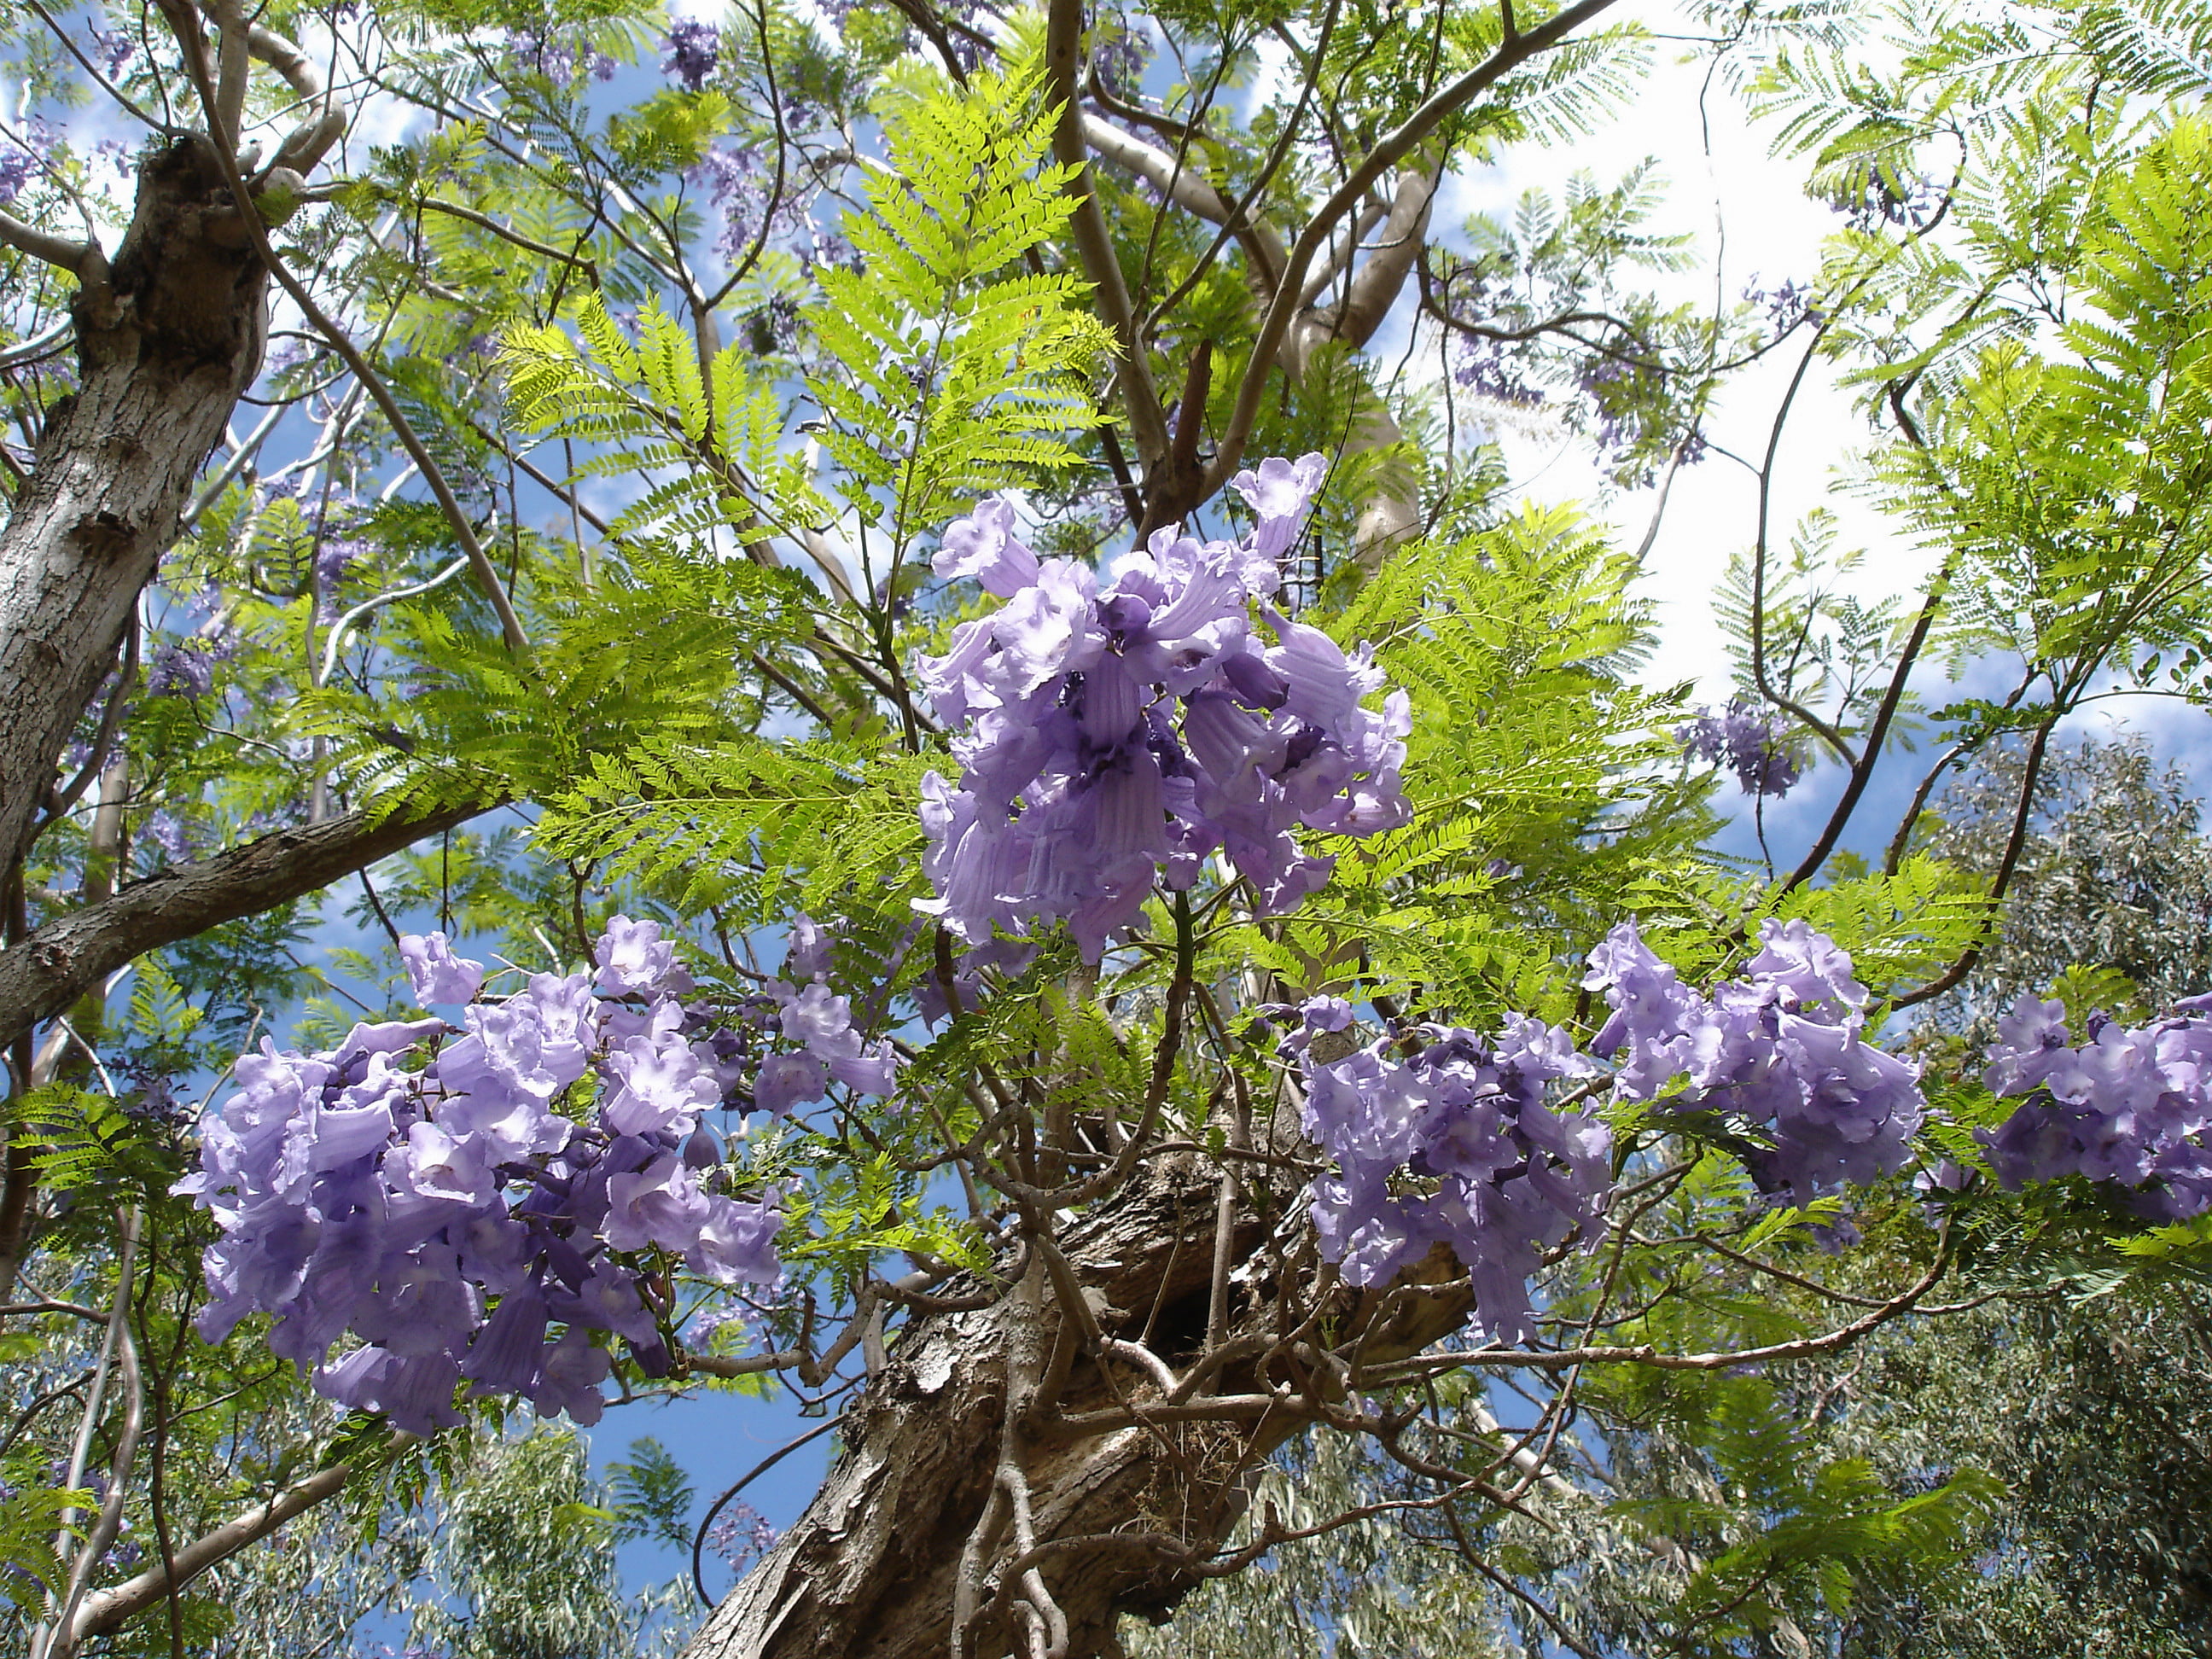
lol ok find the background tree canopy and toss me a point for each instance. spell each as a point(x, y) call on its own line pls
point(894, 706)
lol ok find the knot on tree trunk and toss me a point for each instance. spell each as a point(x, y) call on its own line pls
point(185, 291)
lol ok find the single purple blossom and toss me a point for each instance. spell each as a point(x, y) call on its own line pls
point(435, 974)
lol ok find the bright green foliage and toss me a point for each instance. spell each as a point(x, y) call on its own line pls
point(30, 1570)
point(1542, 787)
point(770, 826)
point(1824, 1527)
point(954, 375)
point(87, 1136)
point(708, 426)
point(2074, 486)
point(948, 377)
point(652, 1496)
point(613, 669)
point(1817, 642)
point(2157, 46)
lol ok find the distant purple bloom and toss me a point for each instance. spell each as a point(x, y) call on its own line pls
point(1490, 368)
point(167, 831)
point(1909, 204)
point(1749, 742)
point(740, 184)
point(1119, 54)
point(741, 1535)
point(694, 49)
point(181, 668)
point(115, 49)
point(560, 62)
point(1785, 307)
point(334, 557)
point(19, 160)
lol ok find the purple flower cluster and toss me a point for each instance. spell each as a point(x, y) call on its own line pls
point(448, 1196)
point(1785, 307)
point(1911, 204)
point(741, 183)
point(694, 49)
point(115, 49)
point(560, 62)
point(1453, 1142)
point(820, 1023)
point(1490, 368)
point(741, 1536)
point(17, 164)
point(1455, 1145)
point(1746, 742)
point(185, 667)
point(1777, 1062)
point(1106, 730)
point(2129, 1106)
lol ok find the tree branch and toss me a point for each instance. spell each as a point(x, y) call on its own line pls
point(1375, 287)
point(250, 220)
point(1189, 191)
point(1094, 243)
point(1387, 155)
point(100, 1613)
point(307, 144)
point(42, 974)
point(582, 262)
point(2030, 773)
point(41, 245)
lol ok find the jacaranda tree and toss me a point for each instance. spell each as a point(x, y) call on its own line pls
point(937, 763)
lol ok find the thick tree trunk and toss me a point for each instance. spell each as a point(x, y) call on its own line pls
point(874, 1569)
point(164, 345)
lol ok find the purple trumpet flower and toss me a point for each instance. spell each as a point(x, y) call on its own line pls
point(1110, 735)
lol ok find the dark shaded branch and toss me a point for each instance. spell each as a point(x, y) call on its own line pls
point(42, 974)
point(582, 262)
point(1877, 734)
point(2030, 773)
point(1094, 243)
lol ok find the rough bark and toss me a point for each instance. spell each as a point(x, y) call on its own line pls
point(167, 340)
point(874, 1569)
